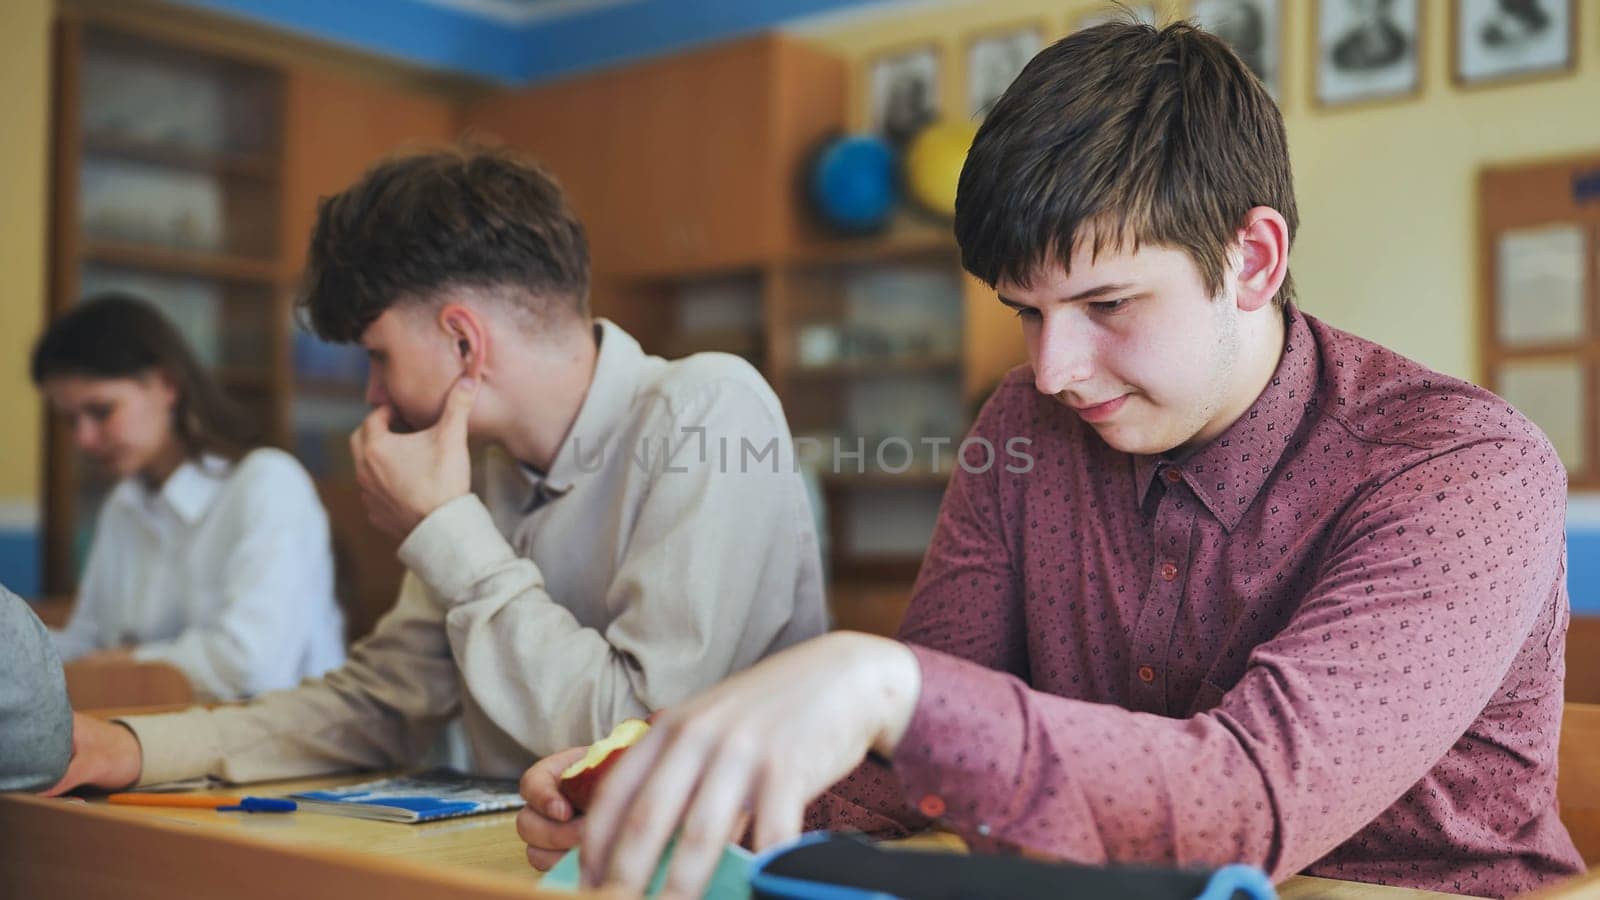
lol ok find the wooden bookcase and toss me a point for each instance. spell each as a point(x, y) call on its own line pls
point(168, 164)
point(265, 126)
point(910, 347)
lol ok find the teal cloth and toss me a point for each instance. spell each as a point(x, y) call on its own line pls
point(731, 880)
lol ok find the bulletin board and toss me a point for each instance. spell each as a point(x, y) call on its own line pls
point(1539, 279)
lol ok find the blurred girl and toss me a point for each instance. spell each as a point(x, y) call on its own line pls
point(211, 553)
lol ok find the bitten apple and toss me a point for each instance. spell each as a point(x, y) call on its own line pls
point(579, 781)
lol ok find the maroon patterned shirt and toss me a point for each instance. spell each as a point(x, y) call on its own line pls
point(1329, 641)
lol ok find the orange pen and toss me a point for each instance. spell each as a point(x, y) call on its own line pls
point(186, 801)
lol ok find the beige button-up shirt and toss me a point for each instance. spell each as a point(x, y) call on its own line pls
point(665, 549)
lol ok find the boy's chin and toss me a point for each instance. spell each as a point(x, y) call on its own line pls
point(1131, 439)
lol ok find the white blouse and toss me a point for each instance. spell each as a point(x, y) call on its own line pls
point(225, 572)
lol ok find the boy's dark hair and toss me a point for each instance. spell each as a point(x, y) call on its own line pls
point(418, 224)
point(1127, 135)
point(117, 335)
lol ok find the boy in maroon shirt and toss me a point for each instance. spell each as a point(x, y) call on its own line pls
point(1263, 591)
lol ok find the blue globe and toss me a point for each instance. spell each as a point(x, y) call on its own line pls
point(853, 184)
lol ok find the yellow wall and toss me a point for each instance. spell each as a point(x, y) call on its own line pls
point(1386, 193)
point(24, 179)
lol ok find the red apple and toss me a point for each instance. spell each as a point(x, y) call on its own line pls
point(579, 781)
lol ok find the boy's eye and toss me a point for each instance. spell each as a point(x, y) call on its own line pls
point(1025, 312)
point(1108, 306)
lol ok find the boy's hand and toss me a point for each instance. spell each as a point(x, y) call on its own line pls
point(767, 740)
point(404, 477)
point(104, 755)
point(547, 824)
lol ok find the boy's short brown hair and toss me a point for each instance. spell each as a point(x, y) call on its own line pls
point(417, 224)
point(1123, 134)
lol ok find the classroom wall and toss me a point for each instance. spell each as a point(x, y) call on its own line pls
point(1387, 193)
point(24, 180)
point(1401, 273)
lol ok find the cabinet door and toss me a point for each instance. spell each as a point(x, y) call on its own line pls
point(574, 130)
point(706, 184)
point(335, 128)
point(669, 163)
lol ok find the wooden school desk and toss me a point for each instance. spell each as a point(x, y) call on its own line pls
point(52, 848)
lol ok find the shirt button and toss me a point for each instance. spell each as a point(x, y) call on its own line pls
point(1147, 674)
point(932, 806)
point(1174, 475)
point(1169, 571)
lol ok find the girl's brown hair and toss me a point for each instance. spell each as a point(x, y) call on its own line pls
point(120, 336)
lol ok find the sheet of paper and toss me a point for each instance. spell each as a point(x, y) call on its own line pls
point(188, 784)
point(1540, 294)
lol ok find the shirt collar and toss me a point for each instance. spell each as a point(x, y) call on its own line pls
point(1228, 473)
point(605, 407)
point(188, 492)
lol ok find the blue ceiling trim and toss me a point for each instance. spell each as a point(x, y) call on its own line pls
point(452, 39)
point(618, 34)
point(430, 36)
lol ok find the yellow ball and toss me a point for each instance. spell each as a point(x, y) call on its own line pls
point(933, 164)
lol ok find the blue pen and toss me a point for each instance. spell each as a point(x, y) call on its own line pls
point(261, 804)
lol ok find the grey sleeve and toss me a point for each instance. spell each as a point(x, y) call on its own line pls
point(35, 717)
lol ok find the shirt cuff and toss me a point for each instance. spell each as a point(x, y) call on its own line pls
point(954, 760)
point(175, 746)
point(455, 547)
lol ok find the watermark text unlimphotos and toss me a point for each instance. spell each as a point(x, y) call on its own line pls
point(692, 450)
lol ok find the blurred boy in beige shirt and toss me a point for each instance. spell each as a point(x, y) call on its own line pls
point(617, 563)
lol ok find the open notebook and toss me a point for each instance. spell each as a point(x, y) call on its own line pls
point(423, 797)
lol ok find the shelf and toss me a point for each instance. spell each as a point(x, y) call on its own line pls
point(899, 243)
point(741, 342)
point(912, 478)
point(244, 165)
point(877, 368)
point(900, 569)
point(175, 261)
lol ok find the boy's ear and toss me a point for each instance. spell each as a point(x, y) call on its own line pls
point(1264, 251)
point(465, 329)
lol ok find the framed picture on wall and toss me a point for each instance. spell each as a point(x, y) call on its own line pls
point(1367, 50)
point(1495, 40)
point(903, 91)
point(994, 60)
point(1253, 28)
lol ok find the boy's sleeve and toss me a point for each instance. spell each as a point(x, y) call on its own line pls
point(381, 709)
point(689, 589)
